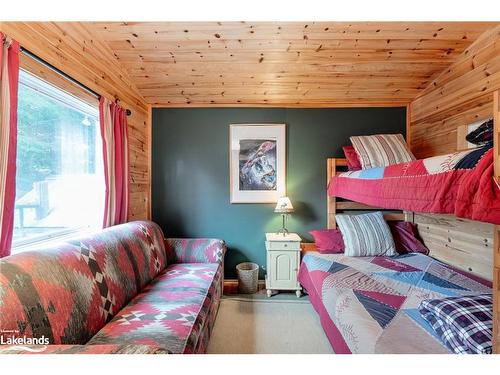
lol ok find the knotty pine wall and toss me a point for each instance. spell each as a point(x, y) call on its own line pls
point(74, 50)
point(466, 92)
point(461, 94)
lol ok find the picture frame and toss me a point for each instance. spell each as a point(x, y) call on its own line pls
point(257, 166)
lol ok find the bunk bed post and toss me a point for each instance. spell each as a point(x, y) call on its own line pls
point(408, 126)
point(496, 238)
point(332, 205)
point(331, 202)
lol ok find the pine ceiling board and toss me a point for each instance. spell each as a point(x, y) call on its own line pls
point(393, 69)
point(179, 31)
point(283, 83)
point(323, 71)
point(289, 45)
point(292, 62)
point(319, 57)
point(473, 57)
point(242, 97)
point(155, 80)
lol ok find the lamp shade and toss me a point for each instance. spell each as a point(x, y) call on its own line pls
point(284, 206)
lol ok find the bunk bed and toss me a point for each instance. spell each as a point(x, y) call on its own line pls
point(458, 183)
point(371, 304)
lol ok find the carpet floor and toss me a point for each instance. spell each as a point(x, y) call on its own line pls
point(255, 324)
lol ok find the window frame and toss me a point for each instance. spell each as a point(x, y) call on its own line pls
point(59, 88)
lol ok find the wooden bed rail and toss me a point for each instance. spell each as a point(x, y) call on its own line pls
point(463, 243)
point(496, 237)
point(334, 206)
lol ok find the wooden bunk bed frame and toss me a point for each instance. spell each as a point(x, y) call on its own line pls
point(470, 245)
point(335, 166)
point(496, 237)
point(463, 243)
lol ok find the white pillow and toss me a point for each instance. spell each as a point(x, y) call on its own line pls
point(366, 235)
point(381, 150)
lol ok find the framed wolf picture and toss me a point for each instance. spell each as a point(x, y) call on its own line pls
point(258, 162)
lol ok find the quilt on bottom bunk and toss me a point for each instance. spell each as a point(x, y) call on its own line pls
point(460, 183)
point(370, 304)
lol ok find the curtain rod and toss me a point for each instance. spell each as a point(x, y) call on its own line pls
point(64, 75)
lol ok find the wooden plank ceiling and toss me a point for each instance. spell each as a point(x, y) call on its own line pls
point(265, 63)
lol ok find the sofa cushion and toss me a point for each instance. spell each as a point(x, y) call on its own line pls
point(67, 293)
point(195, 250)
point(81, 349)
point(175, 312)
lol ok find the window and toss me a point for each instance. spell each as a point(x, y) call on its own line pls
point(60, 179)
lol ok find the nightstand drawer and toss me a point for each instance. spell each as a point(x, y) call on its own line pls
point(283, 245)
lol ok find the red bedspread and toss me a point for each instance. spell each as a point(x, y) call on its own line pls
point(419, 186)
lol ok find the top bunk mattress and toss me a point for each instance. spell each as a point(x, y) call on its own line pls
point(460, 183)
point(370, 304)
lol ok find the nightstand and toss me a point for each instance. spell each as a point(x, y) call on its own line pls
point(283, 260)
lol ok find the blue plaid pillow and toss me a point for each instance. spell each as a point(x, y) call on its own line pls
point(465, 324)
point(483, 134)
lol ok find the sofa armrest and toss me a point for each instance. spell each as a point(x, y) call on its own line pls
point(195, 250)
point(82, 349)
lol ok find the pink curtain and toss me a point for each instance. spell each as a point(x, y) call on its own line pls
point(9, 78)
point(114, 133)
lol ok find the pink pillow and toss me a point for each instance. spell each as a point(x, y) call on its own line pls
point(353, 163)
point(404, 233)
point(406, 239)
point(328, 241)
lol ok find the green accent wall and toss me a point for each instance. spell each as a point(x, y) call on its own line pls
point(190, 171)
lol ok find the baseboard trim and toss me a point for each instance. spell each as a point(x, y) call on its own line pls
point(231, 286)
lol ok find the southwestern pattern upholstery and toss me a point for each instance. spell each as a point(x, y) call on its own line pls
point(371, 304)
point(82, 349)
point(194, 250)
point(173, 309)
point(116, 277)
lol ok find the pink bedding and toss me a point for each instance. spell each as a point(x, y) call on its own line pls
point(370, 304)
point(432, 185)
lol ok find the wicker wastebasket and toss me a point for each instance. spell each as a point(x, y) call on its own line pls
point(248, 277)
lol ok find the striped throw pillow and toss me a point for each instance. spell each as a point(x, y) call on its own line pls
point(366, 235)
point(381, 150)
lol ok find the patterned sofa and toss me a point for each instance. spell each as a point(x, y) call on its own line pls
point(122, 290)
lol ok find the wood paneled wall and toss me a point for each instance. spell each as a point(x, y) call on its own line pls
point(71, 48)
point(464, 93)
point(461, 94)
point(463, 243)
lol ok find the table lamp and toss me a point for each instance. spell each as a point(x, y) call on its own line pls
point(283, 207)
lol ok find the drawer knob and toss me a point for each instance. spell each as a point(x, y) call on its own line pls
point(286, 245)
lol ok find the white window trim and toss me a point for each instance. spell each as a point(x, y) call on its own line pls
point(50, 240)
point(29, 80)
point(56, 237)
